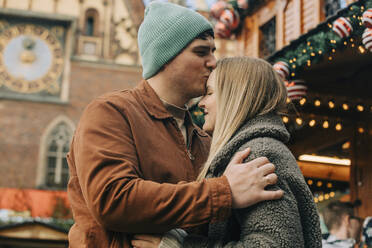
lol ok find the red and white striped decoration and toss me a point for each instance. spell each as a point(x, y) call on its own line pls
point(282, 68)
point(367, 39)
point(230, 18)
point(243, 4)
point(218, 8)
point(367, 18)
point(296, 89)
point(222, 30)
point(342, 27)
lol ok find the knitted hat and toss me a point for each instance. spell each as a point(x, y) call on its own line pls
point(167, 29)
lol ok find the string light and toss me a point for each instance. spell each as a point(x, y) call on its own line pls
point(361, 130)
point(288, 100)
point(346, 145)
point(310, 182)
point(302, 101)
point(308, 63)
point(325, 124)
point(299, 121)
point(293, 66)
point(326, 196)
point(331, 104)
point(321, 198)
point(320, 51)
point(345, 106)
point(285, 119)
point(361, 49)
point(293, 74)
point(319, 183)
point(329, 185)
point(333, 50)
point(317, 103)
point(294, 59)
point(312, 123)
point(332, 194)
point(338, 127)
point(315, 199)
point(329, 58)
point(360, 108)
point(345, 43)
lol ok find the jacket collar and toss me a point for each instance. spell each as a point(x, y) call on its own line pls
point(151, 101)
point(155, 107)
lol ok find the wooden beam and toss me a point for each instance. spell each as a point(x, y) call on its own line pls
point(311, 140)
point(325, 171)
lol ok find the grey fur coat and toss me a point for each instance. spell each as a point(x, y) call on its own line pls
point(292, 221)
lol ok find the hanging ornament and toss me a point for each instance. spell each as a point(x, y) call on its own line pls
point(342, 27)
point(218, 8)
point(367, 18)
point(243, 4)
point(282, 68)
point(296, 89)
point(230, 18)
point(367, 39)
point(222, 30)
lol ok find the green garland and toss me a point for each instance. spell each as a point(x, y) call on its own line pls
point(320, 42)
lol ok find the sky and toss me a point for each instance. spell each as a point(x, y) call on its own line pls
point(190, 3)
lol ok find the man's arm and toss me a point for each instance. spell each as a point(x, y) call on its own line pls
point(121, 200)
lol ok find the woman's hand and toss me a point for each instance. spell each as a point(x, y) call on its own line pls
point(146, 241)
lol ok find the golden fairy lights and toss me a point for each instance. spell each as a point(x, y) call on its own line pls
point(319, 197)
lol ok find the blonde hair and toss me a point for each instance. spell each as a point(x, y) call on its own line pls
point(245, 88)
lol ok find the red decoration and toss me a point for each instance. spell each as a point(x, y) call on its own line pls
point(218, 8)
point(282, 68)
point(342, 27)
point(367, 39)
point(230, 18)
point(222, 30)
point(296, 89)
point(367, 18)
point(243, 4)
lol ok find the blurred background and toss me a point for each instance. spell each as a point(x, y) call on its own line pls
point(58, 55)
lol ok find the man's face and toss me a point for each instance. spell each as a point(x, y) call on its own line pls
point(189, 71)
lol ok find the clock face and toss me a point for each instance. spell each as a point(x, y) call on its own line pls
point(31, 58)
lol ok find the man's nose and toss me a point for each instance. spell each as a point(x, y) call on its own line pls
point(212, 62)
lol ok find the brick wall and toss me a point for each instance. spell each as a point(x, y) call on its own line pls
point(22, 123)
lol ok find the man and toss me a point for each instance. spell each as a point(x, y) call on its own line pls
point(344, 228)
point(133, 151)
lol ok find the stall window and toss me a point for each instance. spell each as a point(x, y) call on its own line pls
point(267, 38)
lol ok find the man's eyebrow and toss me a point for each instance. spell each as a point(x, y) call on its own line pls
point(205, 48)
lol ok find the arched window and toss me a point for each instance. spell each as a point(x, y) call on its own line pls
point(91, 23)
point(57, 147)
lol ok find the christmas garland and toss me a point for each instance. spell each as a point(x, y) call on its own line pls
point(351, 24)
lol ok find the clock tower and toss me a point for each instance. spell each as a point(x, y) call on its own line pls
point(34, 56)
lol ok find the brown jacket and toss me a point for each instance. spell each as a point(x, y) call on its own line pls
point(127, 160)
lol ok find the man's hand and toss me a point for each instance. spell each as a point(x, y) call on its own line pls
point(248, 180)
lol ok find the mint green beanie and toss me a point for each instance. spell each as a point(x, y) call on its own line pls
point(167, 29)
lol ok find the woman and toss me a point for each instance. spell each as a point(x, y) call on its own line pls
point(242, 105)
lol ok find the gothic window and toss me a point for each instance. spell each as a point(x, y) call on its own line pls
point(91, 23)
point(56, 173)
point(267, 38)
point(332, 6)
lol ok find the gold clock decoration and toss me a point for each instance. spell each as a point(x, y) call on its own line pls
point(31, 58)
